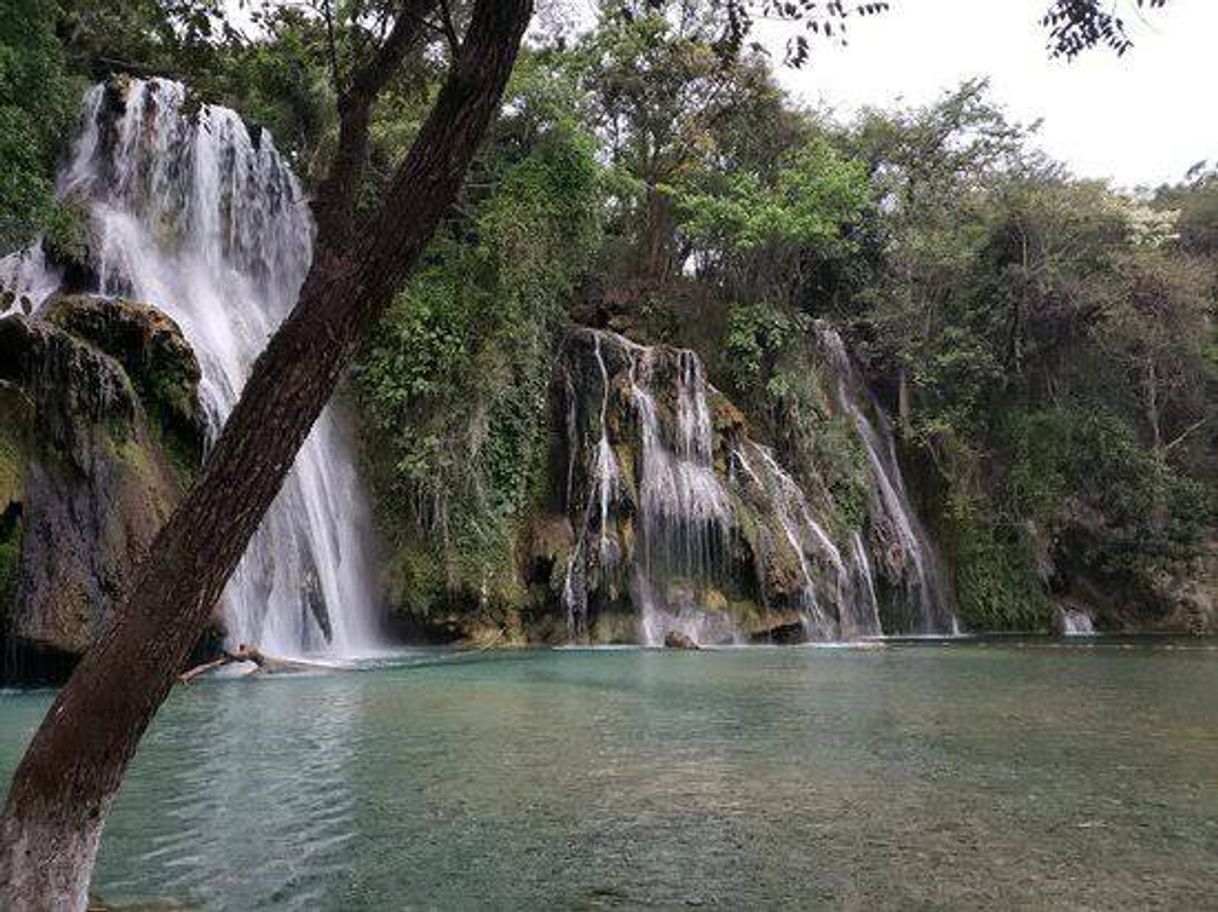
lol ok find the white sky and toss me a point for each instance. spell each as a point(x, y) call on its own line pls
point(1141, 119)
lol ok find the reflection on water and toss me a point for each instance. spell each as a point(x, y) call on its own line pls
point(975, 774)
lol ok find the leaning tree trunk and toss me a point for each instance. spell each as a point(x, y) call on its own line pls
point(71, 771)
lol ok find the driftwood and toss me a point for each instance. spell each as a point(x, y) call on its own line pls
point(264, 663)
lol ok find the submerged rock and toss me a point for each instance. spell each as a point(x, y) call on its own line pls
point(675, 639)
point(781, 635)
point(85, 479)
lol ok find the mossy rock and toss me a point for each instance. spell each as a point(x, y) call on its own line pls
point(726, 419)
point(16, 415)
point(84, 487)
point(14, 409)
point(615, 628)
point(159, 362)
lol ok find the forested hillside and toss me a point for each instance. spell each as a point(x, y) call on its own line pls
point(1043, 346)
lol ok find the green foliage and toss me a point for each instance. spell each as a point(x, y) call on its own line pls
point(186, 39)
point(814, 192)
point(671, 110)
point(1057, 454)
point(456, 382)
point(996, 583)
point(281, 83)
point(775, 369)
point(758, 335)
point(37, 103)
point(1053, 339)
point(834, 447)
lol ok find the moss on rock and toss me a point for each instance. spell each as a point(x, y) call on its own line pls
point(157, 359)
point(85, 478)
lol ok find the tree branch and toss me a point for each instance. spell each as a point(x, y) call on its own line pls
point(450, 31)
point(1196, 425)
point(331, 46)
point(334, 205)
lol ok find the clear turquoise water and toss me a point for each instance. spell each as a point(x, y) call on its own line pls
point(962, 776)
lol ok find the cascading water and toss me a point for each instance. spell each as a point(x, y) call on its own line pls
point(837, 597)
point(678, 529)
point(930, 598)
point(191, 213)
point(605, 476)
point(1075, 623)
point(684, 508)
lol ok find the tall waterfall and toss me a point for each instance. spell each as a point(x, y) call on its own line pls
point(684, 508)
point(190, 212)
point(676, 519)
point(929, 599)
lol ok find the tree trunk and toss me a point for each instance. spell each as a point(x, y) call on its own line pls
point(71, 771)
point(334, 208)
point(658, 230)
point(1150, 385)
point(904, 403)
point(1158, 512)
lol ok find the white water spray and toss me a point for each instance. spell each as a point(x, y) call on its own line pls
point(680, 524)
point(194, 215)
point(930, 598)
point(1076, 623)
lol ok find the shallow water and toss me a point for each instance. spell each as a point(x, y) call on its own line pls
point(914, 775)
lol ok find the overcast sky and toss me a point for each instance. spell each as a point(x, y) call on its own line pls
point(1141, 119)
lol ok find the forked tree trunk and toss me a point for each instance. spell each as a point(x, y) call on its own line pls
point(71, 771)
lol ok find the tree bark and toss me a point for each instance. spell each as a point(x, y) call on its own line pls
point(655, 256)
point(904, 402)
point(72, 769)
point(334, 209)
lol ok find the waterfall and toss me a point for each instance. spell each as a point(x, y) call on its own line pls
point(192, 213)
point(27, 279)
point(1075, 623)
point(865, 610)
point(930, 596)
point(679, 514)
point(838, 599)
point(605, 476)
point(683, 505)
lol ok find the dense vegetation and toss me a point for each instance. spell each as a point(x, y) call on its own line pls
point(1044, 344)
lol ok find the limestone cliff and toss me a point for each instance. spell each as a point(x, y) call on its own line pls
point(99, 431)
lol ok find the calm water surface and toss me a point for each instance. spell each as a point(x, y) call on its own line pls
point(962, 776)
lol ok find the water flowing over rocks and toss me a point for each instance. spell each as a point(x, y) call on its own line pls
point(190, 210)
point(692, 530)
point(663, 514)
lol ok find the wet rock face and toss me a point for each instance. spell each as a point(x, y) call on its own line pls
point(155, 357)
point(86, 477)
point(688, 528)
